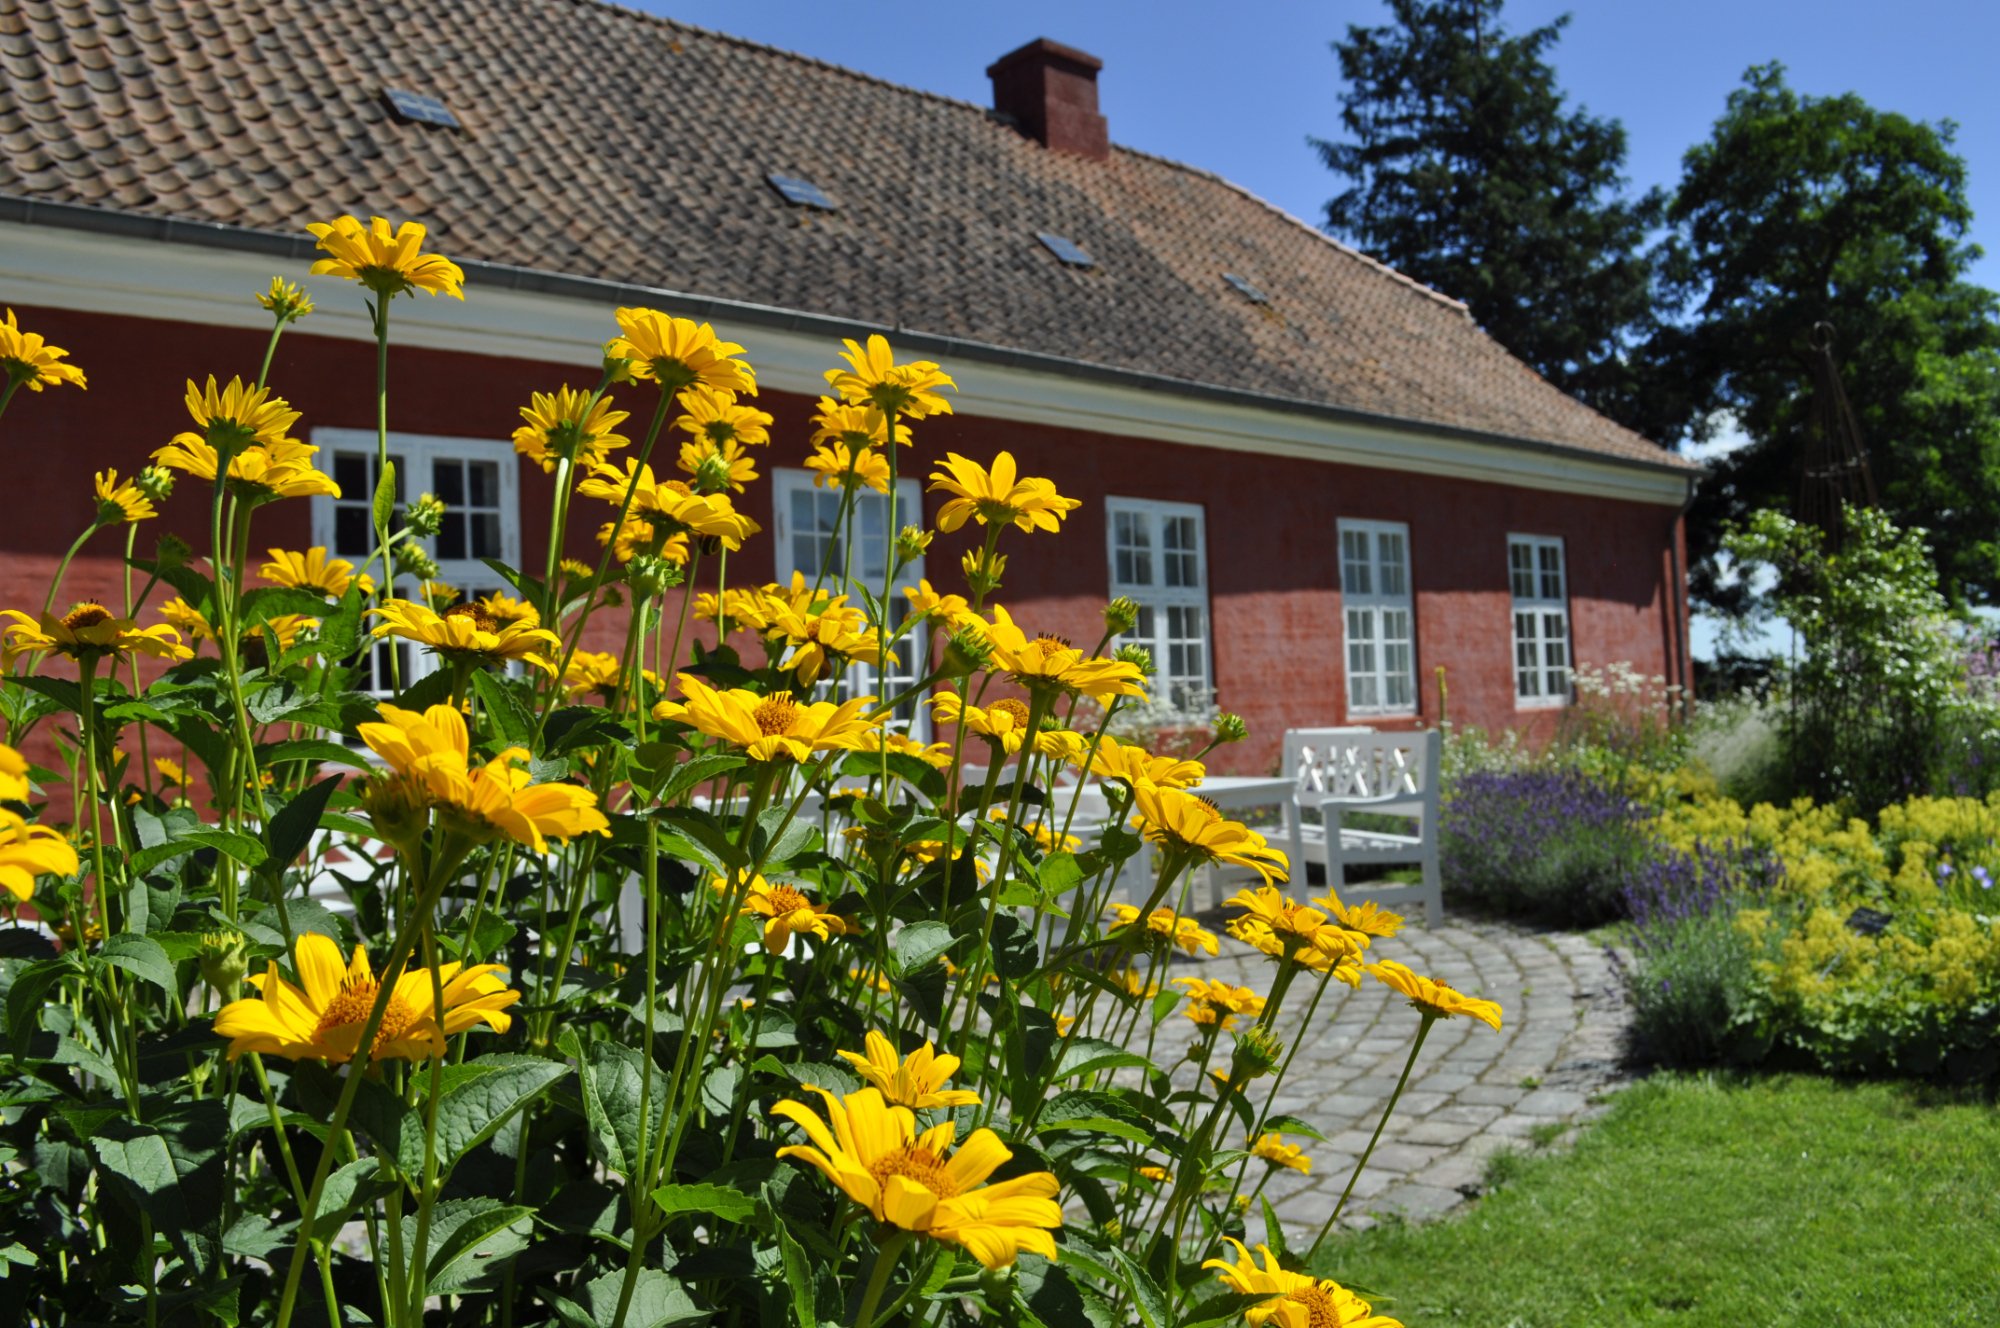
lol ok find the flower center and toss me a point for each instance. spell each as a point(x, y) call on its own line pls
point(678, 486)
point(1051, 645)
point(784, 899)
point(1016, 708)
point(86, 615)
point(774, 715)
point(479, 617)
point(917, 1164)
point(350, 1008)
point(1321, 1312)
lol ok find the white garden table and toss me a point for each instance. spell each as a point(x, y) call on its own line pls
point(1240, 793)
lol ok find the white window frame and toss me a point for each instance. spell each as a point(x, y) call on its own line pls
point(1541, 622)
point(1184, 689)
point(913, 717)
point(1377, 597)
point(420, 454)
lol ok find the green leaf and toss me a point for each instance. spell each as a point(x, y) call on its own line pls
point(1293, 1125)
point(1165, 1004)
point(470, 1240)
point(1098, 1125)
point(318, 750)
point(241, 847)
point(291, 829)
point(719, 1201)
point(699, 771)
point(142, 957)
point(611, 1089)
point(385, 496)
point(144, 1167)
point(1087, 1055)
point(29, 994)
point(657, 1301)
point(503, 706)
point(60, 690)
point(471, 1110)
point(798, 1278)
point(920, 943)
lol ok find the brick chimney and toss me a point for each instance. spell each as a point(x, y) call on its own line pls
point(1049, 91)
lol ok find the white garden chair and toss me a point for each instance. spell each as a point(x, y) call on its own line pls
point(1339, 772)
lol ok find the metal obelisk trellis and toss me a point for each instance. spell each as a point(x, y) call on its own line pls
point(1833, 467)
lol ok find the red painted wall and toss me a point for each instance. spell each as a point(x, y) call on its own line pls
point(1272, 549)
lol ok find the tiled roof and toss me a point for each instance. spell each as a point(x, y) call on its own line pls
point(602, 143)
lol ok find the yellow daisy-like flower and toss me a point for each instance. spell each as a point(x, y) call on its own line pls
point(1188, 934)
point(286, 627)
point(1258, 935)
point(1191, 825)
point(873, 978)
point(836, 466)
point(997, 496)
point(832, 636)
point(28, 360)
point(505, 608)
point(1295, 1300)
point(670, 503)
point(716, 466)
point(1004, 723)
point(1305, 928)
point(873, 1152)
point(677, 353)
point(1364, 920)
point(1434, 998)
point(171, 772)
point(253, 426)
point(467, 631)
point(569, 422)
point(1273, 1149)
point(857, 427)
point(636, 537)
point(324, 1018)
point(429, 753)
point(1158, 1175)
point(386, 261)
point(1137, 984)
point(872, 377)
point(718, 418)
point(285, 300)
point(1053, 664)
point(89, 631)
point(28, 851)
point(121, 502)
point(576, 570)
point(1134, 765)
point(769, 728)
point(916, 1080)
point(1218, 1003)
point(592, 671)
point(14, 785)
point(237, 415)
point(187, 618)
point(936, 755)
point(928, 603)
point(787, 912)
point(313, 570)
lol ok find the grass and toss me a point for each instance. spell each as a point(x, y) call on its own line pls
point(1713, 1200)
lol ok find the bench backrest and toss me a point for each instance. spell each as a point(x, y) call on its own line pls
point(1346, 763)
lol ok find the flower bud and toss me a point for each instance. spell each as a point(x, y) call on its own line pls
point(1257, 1053)
point(711, 473)
point(912, 543)
point(172, 551)
point(617, 369)
point(648, 574)
point(425, 517)
point(966, 651)
point(224, 959)
point(398, 808)
point(1138, 655)
point(1230, 727)
point(1121, 615)
point(287, 303)
point(411, 560)
point(156, 482)
point(982, 574)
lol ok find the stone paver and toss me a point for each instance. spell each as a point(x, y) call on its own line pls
point(1472, 1093)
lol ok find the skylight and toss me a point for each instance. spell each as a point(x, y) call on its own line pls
point(1068, 250)
point(1246, 289)
point(416, 108)
point(800, 193)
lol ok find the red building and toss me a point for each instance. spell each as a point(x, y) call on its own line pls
point(1321, 480)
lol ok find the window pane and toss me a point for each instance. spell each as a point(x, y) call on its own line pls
point(1396, 679)
point(485, 476)
point(451, 535)
point(1395, 580)
point(449, 477)
point(351, 472)
point(1355, 578)
point(1552, 577)
point(486, 535)
point(1131, 534)
point(1521, 569)
point(351, 536)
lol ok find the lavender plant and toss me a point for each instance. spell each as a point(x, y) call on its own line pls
point(1555, 845)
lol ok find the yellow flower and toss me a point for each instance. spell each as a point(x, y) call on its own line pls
point(916, 1080)
point(13, 775)
point(636, 537)
point(28, 851)
point(1273, 1149)
point(875, 1155)
point(1365, 919)
point(1158, 1175)
point(1218, 1002)
point(677, 353)
point(1434, 998)
point(435, 592)
point(576, 570)
point(170, 772)
point(187, 618)
point(872, 977)
point(670, 503)
point(387, 262)
point(1304, 928)
point(786, 912)
point(716, 417)
point(1188, 934)
point(1295, 1300)
point(997, 497)
point(569, 422)
point(836, 633)
point(1188, 824)
point(838, 467)
point(239, 415)
point(89, 631)
point(285, 300)
point(715, 465)
point(769, 728)
point(313, 570)
point(253, 427)
point(286, 627)
point(936, 755)
point(324, 1019)
point(1004, 723)
point(1050, 663)
point(855, 427)
point(121, 503)
point(467, 632)
point(28, 359)
point(1044, 836)
point(592, 671)
point(1137, 984)
point(928, 603)
point(429, 754)
point(872, 377)
point(1134, 764)
point(1259, 936)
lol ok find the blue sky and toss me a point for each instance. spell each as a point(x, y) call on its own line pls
point(1237, 88)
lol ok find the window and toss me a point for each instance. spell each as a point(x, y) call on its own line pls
point(477, 480)
point(1541, 620)
point(1159, 558)
point(1381, 636)
point(803, 532)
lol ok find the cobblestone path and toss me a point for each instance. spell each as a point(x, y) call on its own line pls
point(1473, 1092)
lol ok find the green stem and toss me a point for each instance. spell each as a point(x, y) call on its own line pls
point(388, 588)
point(62, 568)
point(427, 1193)
point(7, 395)
point(1423, 1031)
point(886, 1257)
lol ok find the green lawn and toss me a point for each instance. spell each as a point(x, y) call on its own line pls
point(1709, 1200)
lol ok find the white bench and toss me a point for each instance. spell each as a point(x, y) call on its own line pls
point(1339, 772)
